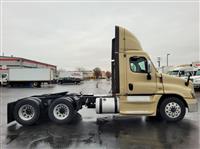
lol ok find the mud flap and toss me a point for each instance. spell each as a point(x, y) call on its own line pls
point(10, 109)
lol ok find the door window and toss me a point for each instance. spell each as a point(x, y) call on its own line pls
point(138, 64)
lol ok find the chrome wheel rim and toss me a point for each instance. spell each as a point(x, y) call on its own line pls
point(61, 111)
point(26, 112)
point(173, 110)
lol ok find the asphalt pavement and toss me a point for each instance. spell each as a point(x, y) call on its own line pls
point(92, 131)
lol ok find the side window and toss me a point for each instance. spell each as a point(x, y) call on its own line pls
point(138, 64)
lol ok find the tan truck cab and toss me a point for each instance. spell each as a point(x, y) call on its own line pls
point(141, 88)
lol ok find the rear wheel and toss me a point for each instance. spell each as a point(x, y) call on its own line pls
point(27, 111)
point(34, 84)
point(39, 84)
point(61, 111)
point(172, 109)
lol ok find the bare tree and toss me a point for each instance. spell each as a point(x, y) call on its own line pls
point(108, 74)
point(97, 72)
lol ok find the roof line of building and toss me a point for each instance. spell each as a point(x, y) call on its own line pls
point(5, 58)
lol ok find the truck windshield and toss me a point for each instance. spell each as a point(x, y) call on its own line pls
point(4, 75)
point(173, 72)
point(198, 73)
point(187, 73)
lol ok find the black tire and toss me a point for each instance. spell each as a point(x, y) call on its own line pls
point(38, 100)
point(39, 84)
point(34, 84)
point(20, 117)
point(172, 109)
point(58, 116)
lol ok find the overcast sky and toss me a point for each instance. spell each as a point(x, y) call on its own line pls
point(72, 35)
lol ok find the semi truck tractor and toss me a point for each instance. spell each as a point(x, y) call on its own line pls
point(33, 77)
point(137, 89)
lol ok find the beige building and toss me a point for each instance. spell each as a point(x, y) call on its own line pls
point(88, 74)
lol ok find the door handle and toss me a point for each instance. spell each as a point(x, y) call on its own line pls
point(130, 86)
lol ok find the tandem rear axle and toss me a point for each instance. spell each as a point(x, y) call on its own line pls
point(60, 107)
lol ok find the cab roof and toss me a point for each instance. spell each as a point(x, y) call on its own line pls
point(128, 41)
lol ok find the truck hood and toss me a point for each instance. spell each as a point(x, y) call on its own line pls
point(174, 79)
point(176, 85)
point(191, 77)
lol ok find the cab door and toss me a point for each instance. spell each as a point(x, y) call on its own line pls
point(140, 80)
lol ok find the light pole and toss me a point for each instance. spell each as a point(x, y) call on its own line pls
point(158, 60)
point(168, 58)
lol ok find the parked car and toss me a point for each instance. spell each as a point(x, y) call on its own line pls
point(70, 77)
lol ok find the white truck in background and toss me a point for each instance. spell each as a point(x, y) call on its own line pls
point(196, 79)
point(184, 72)
point(32, 77)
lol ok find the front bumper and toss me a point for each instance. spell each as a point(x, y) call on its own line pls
point(193, 106)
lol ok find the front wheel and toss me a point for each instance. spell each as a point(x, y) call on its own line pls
point(172, 109)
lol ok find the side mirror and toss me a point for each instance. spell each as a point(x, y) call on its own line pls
point(188, 80)
point(149, 69)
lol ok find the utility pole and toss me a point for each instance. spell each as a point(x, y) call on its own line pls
point(158, 60)
point(168, 58)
